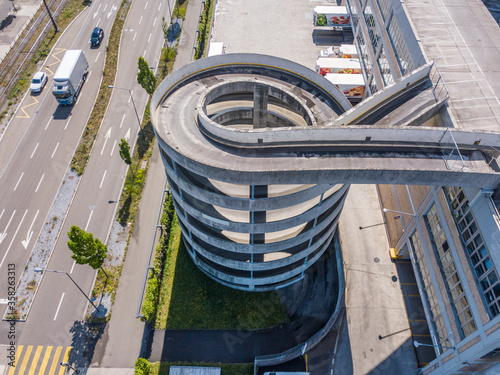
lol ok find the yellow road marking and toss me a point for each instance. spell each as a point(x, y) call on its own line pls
point(26, 106)
point(57, 62)
point(62, 370)
point(45, 360)
point(16, 361)
point(25, 359)
point(35, 360)
point(55, 361)
point(305, 356)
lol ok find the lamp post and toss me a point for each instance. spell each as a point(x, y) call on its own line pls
point(398, 212)
point(42, 270)
point(417, 344)
point(67, 365)
point(131, 97)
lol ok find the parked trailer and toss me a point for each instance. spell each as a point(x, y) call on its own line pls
point(326, 65)
point(352, 85)
point(69, 77)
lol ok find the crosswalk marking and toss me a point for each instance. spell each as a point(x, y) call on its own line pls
point(26, 359)
point(45, 359)
point(65, 359)
point(35, 360)
point(18, 354)
point(55, 360)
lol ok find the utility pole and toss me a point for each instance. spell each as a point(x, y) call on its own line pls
point(50, 15)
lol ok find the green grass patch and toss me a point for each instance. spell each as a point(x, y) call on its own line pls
point(163, 368)
point(191, 300)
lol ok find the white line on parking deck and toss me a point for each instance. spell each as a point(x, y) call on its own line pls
point(59, 306)
point(150, 37)
point(72, 267)
point(33, 153)
point(55, 150)
point(113, 149)
point(123, 118)
point(103, 177)
point(36, 190)
point(140, 20)
point(154, 23)
point(97, 56)
point(146, 5)
point(46, 126)
point(18, 181)
point(134, 36)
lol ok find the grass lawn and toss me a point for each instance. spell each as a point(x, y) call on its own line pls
point(162, 368)
point(191, 300)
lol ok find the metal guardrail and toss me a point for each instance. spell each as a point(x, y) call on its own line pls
point(295, 352)
point(439, 88)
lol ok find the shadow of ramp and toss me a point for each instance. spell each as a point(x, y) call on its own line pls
point(84, 341)
point(401, 361)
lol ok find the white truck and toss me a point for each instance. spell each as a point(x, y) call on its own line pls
point(69, 77)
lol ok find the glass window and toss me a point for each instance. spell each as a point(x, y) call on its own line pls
point(484, 270)
point(453, 283)
point(422, 269)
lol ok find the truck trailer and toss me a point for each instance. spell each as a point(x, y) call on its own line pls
point(69, 77)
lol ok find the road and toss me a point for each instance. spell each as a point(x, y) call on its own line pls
point(35, 153)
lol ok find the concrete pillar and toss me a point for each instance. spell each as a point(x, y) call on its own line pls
point(260, 96)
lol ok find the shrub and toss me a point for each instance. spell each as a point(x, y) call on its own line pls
point(142, 367)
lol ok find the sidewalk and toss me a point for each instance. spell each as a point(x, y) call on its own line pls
point(376, 338)
point(125, 332)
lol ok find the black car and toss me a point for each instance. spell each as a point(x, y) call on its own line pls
point(96, 37)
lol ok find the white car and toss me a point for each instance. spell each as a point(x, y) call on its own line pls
point(38, 82)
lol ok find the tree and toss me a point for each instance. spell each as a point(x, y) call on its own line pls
point(86, 249)
point(145, 76)
point(125, 152)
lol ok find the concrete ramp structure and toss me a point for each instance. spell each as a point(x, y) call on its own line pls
point(260, 152)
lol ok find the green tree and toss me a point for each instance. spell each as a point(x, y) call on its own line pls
point(145, 76)
point(125, 152)
point(86, 249)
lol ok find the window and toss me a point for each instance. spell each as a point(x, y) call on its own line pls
point(436, 316)
point(372, 29)
point(385, 8)
point(476, 250)
point(453, 283)
point(400, 49)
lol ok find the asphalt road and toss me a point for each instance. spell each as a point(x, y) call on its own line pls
point(35, 153)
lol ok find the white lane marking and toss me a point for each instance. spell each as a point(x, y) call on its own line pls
point(33, 153)
point(22, 174)
point(66, 126)
point(149, 37)
point(103, 177)
point(97, 58)
point(12, 241)
point(113, 149)
point(36, 190)
point(127, 135)
point(105, 6)
point(73, 266)
point(98, 21)
point(88, 221)
point(144, 54)
point(99, 7)
point(59, 306)
point(140, 20)
point(133, 40)
point(147, 2)
point(159, 7)
point(26, 242)
point(123, 119)
point(2, 213)
point(4, 301)
point(154, 23)
point(4, 233)
point(106, 137)
point(46, 126)
point(55, 150)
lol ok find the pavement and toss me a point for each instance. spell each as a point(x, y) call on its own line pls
point(13, 22)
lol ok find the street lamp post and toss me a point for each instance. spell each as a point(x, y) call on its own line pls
point(131, 97)
point(42, 270)
point(398, 212)
point(67, 365)
point(417, 344)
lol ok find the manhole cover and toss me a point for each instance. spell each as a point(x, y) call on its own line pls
point(376, 260)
